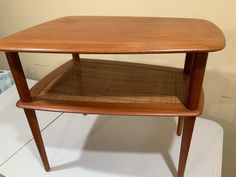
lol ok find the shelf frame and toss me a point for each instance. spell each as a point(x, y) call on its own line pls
point(159, 109)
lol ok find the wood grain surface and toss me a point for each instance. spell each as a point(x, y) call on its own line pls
point(88, 34)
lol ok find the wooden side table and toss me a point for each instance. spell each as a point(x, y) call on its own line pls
point(92, 86)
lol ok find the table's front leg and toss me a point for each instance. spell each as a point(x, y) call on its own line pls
point(24, 93)
point(194, 91)
point(19, 76)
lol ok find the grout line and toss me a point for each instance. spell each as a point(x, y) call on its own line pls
point(16, 152)
point(51, 122)
point(29, 141)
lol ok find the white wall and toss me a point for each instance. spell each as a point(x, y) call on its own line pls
point(220, 80)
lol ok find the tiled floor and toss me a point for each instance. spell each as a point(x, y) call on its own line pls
point(103, 146)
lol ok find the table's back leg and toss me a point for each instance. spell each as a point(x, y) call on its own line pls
point(180, 125)
point(188, 65)
point(194, 92)
point(75, 57)
point(24, 93)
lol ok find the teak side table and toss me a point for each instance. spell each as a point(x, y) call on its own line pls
point(92, 86)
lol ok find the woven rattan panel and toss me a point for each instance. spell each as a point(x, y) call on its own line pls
point(95, 81)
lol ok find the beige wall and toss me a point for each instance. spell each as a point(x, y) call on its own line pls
point(220, 80)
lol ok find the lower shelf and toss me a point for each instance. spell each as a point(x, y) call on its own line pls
point(110, 87)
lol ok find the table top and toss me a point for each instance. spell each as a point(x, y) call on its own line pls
point(90, 34)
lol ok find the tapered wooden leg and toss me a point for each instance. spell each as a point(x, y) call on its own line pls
point(185, 144)
point(180, 125)
point(188, 64)
point(76, 57)
point(25, 96)
point(33, 123)
point(196, 68)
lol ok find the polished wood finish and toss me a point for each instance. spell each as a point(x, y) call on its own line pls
point(196, 80)
point(180, 125)
point(193, 99)
point(188, 65)
point(34, 126)
point(19, 76)
point(186, 141)
point(88, 34)
point(25, 97)
point(75, 57)
point(109, 108)
point(117, 35)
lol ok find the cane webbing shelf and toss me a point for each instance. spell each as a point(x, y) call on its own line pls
point(115, 83)
point(91, 86)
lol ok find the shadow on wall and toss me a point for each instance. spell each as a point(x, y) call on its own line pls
point(220, 106)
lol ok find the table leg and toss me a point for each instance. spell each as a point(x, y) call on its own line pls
point(192, 102)
point(33, 123)
point(75, 57)
point(188, 65)
point(196, 80)
point(180, 125)
point(186, 141)
point(25, 96)
point(19, 76)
